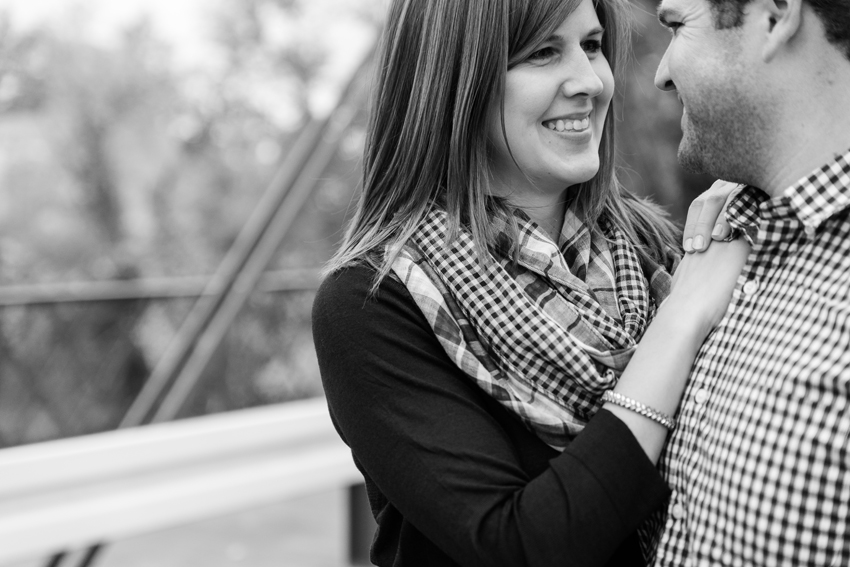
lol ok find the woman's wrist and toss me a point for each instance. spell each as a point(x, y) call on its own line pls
point(659, 368)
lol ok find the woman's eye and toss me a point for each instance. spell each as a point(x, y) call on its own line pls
point(542, 54)
point(592, 46)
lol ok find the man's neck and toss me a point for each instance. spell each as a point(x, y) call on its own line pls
point(809, 153)
point(813, 132)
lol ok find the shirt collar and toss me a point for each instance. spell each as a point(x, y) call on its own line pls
point(822, 194)
point(813, 199)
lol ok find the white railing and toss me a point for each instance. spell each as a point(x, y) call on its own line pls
point(104, 487)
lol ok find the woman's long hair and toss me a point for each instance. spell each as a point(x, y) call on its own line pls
point(441, 65)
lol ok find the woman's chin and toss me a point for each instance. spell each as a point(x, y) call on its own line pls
point(577, 176)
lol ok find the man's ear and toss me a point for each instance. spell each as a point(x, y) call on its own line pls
point(784, 18)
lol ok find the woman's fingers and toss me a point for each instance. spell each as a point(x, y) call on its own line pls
point(706, 220)
point(702, 214)
point(722, 230)
point(704, 282)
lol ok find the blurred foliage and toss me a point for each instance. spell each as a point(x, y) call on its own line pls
point(115, 164)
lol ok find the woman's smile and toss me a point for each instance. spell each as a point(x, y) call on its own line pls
point(572, 123)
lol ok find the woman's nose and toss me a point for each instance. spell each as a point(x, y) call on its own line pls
point(582, 79)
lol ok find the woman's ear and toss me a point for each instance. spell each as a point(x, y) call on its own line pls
point(784, 18)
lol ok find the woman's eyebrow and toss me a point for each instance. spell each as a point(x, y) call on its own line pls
point(556, 38)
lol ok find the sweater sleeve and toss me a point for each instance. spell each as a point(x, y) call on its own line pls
point(422, 433)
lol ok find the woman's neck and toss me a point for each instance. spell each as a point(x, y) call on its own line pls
point(546, 211)
point(546, 206)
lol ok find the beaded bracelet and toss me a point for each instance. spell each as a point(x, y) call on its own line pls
point(637, 407)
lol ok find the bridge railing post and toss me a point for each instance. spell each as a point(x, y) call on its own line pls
point(361, 525)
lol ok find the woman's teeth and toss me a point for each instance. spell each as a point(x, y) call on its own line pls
point(568, 125)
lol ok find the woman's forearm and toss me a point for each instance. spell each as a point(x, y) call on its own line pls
point(659, 369)
point(657, 374)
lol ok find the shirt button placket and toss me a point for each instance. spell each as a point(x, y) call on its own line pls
point(810, 231)
point(751, 287)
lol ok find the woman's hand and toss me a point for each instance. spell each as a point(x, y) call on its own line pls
point(706, 220)
point(703, 283)
point(656, 375)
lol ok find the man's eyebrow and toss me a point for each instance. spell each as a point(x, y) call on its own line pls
point(666, 14)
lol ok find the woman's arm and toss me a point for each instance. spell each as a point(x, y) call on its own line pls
point(452, 461)
point(658, 370)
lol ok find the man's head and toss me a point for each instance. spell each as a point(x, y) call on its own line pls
point(741, 69)
point(833, 14)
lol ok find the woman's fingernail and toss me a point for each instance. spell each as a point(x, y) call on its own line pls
point(699, 241)
point(718, 231)
point(688, 245)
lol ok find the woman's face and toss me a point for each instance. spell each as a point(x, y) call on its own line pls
point(555, 105)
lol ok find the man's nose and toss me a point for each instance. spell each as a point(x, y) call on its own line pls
point(662, 76)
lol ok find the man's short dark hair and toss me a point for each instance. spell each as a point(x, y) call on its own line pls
point(833, 14)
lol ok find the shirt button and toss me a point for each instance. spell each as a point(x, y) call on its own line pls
point(678, 511)
point(751, 287)
point(701, 396)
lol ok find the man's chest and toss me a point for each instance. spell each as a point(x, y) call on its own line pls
point(764, 426)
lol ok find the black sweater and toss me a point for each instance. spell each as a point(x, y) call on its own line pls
point(452, 477)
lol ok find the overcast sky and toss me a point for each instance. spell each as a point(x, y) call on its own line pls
point(187, 25)
point(184, 23)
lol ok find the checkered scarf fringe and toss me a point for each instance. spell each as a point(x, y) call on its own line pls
point(546, 335)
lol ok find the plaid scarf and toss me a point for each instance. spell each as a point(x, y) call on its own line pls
point(545, 335)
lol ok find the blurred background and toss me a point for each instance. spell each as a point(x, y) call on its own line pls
point(144, 147)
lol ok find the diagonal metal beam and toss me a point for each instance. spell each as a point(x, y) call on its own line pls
point(253, 268)
point(177, 372)
point(251, 252)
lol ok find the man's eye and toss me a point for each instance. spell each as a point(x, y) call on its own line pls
point(673, 27)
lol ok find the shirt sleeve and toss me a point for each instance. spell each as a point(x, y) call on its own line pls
point(422, 433)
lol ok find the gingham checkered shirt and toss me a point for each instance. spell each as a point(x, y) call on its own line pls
point(759, 465)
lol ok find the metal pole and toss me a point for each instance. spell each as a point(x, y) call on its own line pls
point(247, 278)
point(293, 279)
point(189, 352)
point(204, 310)
point(254, 233)
point(361, 525)
point(56, 560)
point(91, 554)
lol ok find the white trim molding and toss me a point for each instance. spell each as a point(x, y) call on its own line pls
point(71, 493)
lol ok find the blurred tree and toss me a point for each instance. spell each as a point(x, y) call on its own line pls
point(260, 46)
point(20, 55)
point(115, 165)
